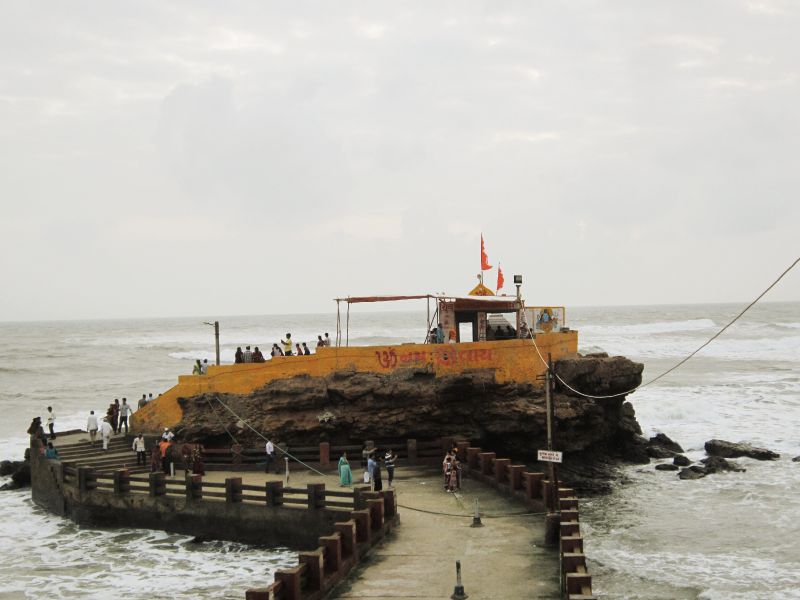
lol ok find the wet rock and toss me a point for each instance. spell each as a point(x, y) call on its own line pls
point(716, 464)
point(20, 474)
point(694, 472)
point(8, 467)
point(796, 459)
point(681, 461)
point(661, 439)
point(666, 467)
point(733, 450)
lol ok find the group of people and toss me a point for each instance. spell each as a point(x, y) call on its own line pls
point(451, 469)
point(437, 335)
point(286, 347)
point(374, 462)
point(37, 432)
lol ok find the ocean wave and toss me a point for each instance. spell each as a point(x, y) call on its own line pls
point(656, 327)
point(788, 325)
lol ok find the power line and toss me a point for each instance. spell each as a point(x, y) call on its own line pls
point(684, 360)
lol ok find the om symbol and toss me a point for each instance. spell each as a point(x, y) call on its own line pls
point(387, 359)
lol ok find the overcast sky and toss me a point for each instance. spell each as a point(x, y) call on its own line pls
point(183, 158)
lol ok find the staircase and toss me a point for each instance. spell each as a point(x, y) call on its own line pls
point(119, 455)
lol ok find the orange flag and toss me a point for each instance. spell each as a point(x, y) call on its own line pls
point(500, 280)
point(485, 266)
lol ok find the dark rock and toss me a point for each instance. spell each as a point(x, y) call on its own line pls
point(692, 473)
point(716, 464)
point(734, 450)
point(7, 467)
point(662, 440)
point(666, 467)
point(796, 459)
point(22, 476)
point(681, 460)
point(659, 452)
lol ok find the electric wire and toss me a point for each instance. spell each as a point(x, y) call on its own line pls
point(683, 361)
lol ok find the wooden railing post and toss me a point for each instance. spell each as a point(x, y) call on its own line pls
point(157, 483)
point(315, 572)
point(500, 468)
point(122, 482)
point(375, 507)
point(473, 459)
point(347, 529)
point(290, 578)
point(363, 529)
point(86, 478)
point(462, 450)
point(359, 501)
point(233, 489)
point(487, 462)
point(274, 493)
point(316, 495)
point(515, 476)
point(333, 551)
point(194, 487)
point(324, 454)
point(411, 449)
point(389, 503)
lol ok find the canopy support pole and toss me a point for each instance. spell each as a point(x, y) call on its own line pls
point(338, 326)
point(348, 325)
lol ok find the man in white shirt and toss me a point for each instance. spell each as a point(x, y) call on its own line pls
point(105, 432)
point(139, 448)
point(204, 367)
point(327, 340)
point(248, 355)
point(51, 422)
point(91, 426)
point(124, 411)
point(270, 456)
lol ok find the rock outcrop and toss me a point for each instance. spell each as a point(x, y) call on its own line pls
point(413, 403)
point(734, 450)
point(20, 472)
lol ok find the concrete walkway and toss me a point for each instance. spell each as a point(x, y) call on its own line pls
point(504, 559)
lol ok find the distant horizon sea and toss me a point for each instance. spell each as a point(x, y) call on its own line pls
point(727, 536)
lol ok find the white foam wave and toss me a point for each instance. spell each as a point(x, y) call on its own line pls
point(657, 327)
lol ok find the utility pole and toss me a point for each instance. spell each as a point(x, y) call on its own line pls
point(553, 519)
point(215, 325)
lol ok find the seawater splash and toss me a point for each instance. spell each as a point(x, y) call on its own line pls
point(67, 561)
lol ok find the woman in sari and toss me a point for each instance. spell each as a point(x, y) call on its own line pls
point(345, 475)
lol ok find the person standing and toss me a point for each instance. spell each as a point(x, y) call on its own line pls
point(248, 354)
point(92, 427)
point(155, 458)
point(345, 474)
point(143, 402)
point(204, 366)
point(320, 342)
point(287, 345)
point(150, 398)
point(141, 451)
point(327, 340)
point(197, 369)
point(51, 422)
point(439, 334)
point(105, 432)
point(124, 411)
point(164, 447)
point(115, 415)
point(376, 476)
point(371, 465)
point(270, 448)
point(389, 462)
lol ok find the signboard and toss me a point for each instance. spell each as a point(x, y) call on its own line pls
point(549, 456)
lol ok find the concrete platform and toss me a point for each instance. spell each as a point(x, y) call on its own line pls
point(504, 559)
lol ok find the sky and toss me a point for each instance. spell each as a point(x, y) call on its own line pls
point(164, 158)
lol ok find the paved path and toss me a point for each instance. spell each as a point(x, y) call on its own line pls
point(503, 559)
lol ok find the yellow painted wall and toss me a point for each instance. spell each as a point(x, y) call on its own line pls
point(513, 360)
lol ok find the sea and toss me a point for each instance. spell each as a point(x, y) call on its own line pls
point(727, 536)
